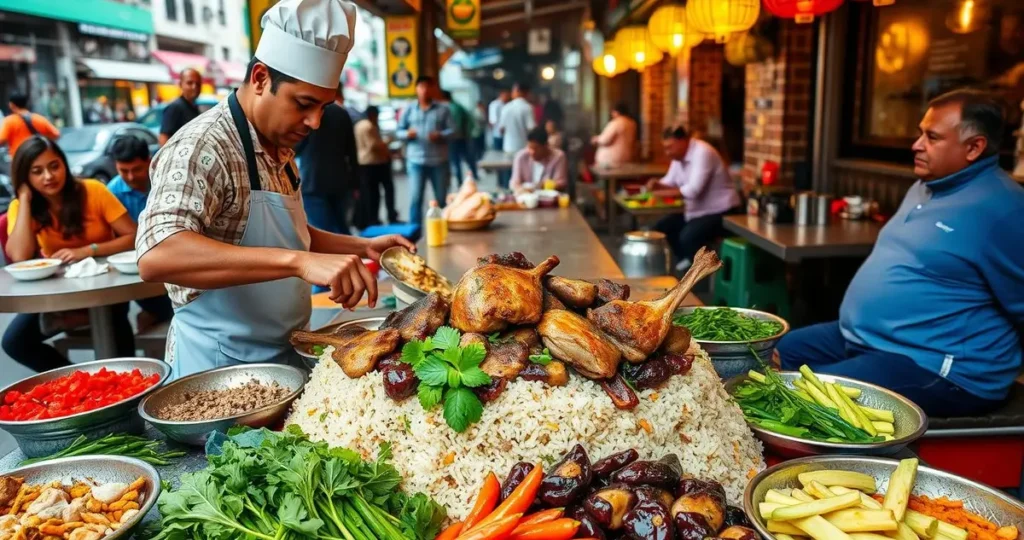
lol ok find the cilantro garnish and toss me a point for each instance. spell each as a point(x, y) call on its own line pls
point(544, 358)
point(447, 372)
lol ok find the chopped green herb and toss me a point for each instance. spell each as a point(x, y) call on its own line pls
point(446, 373)
point(725, 324)
point(544, 358)
point(549, 459)
point(318, 350)
point(323, 416)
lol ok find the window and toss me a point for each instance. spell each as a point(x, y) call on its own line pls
point(190, 12)
point(910, 52)
point(222, 15)
point(226, 52)
point(172, 9)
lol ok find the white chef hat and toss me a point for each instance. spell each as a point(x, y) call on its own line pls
point(308, 39)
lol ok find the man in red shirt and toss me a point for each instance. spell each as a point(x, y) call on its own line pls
point(21, 124)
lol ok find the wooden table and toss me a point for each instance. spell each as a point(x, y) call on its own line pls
point(793, 243)
point(628, 171)
point(495, 160)
point(644, 211)
point(538, 234)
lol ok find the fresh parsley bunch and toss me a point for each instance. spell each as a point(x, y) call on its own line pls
point(447, 372)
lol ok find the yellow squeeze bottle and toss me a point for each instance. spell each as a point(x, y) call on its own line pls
point(437, 226)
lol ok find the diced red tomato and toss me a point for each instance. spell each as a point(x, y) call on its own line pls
point(74, 393)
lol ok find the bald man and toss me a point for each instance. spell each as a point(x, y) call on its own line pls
point(184, 109)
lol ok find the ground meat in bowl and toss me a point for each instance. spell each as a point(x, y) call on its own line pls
point(214, 404)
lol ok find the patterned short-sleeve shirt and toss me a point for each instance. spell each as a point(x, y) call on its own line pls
point(200, 183)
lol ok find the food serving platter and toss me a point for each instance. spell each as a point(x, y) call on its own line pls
point(412, 275)
point(195, 432)
point(44, 437)
point(100, 469)
point(34, 269)
point(910, 421)
point(989, 503)
point(470, 224)
point(305, 350)
point(732, 358)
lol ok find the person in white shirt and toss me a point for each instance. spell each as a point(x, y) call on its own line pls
point(494, 117)
point(517, 119)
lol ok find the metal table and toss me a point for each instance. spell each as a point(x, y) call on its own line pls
point(627, 171)
point(538, 234)
point(97, 294)
point(644, 211)
point(495, 160)
point(793, 243)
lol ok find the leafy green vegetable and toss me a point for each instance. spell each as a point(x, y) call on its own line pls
point(115, 444)
point(544, 358)
point(286, 487)
point(725, 324)
point(775, 407)
point(318, 350)
point(446, 373)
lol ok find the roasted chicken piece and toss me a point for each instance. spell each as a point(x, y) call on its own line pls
point(637, 329)
point(491, 297)
point(608, 291)
point(356, 349)
point(574, 293)
point(508, 354)
point(574, 340)
point(552, 374)
point(552, 302)
point(9, 486)
point(677, 341)
point(512, 260)
point(420, 319)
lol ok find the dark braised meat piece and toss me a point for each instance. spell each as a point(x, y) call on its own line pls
point(512, 260)
point(639, 328)
point(356, 351)
point(680, 364)
point(608, 291)
point(574, 293)
point(650, 374)
point(677, 341)
point(605, 467)
point(739, 532)
point(608, 506)
point(623, 397)
point(707, 502)
point(691, 525)
point(490, 392)
point(491, 297)
point(420, 319)
point(575, 341)
point(514, 478)
point(568, 480)
point(646, 473)
point(552, 374)
point(735, 515)
point(400, 381)
point(649, 520)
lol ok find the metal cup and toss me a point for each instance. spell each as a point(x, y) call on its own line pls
point(803, 208)
point(822, 209)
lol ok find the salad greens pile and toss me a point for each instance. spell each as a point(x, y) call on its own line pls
point(282, 486)
point(774, 406)
point(447, 372)
point(725, 324)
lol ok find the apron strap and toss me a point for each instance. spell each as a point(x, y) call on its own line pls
point(242, 127)
point(291, 176)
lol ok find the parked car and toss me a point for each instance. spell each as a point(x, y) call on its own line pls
point(154, 116)
point(88, 147)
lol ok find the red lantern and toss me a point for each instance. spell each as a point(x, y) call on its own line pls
point(803, 11)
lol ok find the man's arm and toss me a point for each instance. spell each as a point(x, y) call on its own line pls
point(518, 173)
point(447, 127)
point(561, 172)
point(168, 124)
point(700, 169)
point(402, 131)
point(48, 130)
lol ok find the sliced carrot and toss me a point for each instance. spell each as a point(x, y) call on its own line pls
point(499, 529)
point(539, 517)
point(520, 499)
point(485, 501)
point(559, 529)
point(451, 533)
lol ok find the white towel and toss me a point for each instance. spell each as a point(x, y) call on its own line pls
point(87, 267)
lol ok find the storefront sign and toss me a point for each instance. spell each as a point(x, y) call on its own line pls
point(256, 10)
point(403, 64)
point(115, 33)
point(463, 18)
point(17, 53)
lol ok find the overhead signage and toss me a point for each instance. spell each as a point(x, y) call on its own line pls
point(403, 62)
point(108, 32)
point(463, 18)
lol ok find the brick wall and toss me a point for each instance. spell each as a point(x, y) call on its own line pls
point(657, 94)
point(778, 105)
point(705, 86)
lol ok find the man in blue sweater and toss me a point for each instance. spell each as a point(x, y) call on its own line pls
point(936, 311)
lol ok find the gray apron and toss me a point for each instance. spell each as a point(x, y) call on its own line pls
point(248, 323)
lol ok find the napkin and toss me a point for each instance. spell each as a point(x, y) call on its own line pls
point(87, 267)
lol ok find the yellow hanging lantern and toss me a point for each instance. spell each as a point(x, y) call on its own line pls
point(670, 32)
point(745, 48)
point(722, 17)
point(608, 63)
point(636, 48)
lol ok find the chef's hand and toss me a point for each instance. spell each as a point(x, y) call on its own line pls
point(72, 255)
point(434, 136)
point(25, 193)
point(379, 245)
point(411, 134)
point(345, 275)
point(652, 184)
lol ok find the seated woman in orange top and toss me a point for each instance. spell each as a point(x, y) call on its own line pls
point(58, 216)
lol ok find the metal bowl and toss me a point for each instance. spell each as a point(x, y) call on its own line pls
point(987, 502)
point(102, 469)
point(195, 432)
point(732, 358)
point(911, 421)
point(44, 437)
point(305, 350)
point(404, 292)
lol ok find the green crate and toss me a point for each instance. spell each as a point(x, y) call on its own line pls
point(751, 278)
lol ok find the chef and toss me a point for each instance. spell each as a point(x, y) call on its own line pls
point(224, 226)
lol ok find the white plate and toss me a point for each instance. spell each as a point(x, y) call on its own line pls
point(124, 262)
point(33, 269)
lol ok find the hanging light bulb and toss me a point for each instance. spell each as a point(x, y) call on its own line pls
point(635, 45)
point(670, 32)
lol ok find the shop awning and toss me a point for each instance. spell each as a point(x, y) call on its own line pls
point(125, 71)
point(233, 72)
point(178, 61)
point(122, 15)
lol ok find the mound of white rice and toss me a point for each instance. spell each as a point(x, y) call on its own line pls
point(690, 416)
